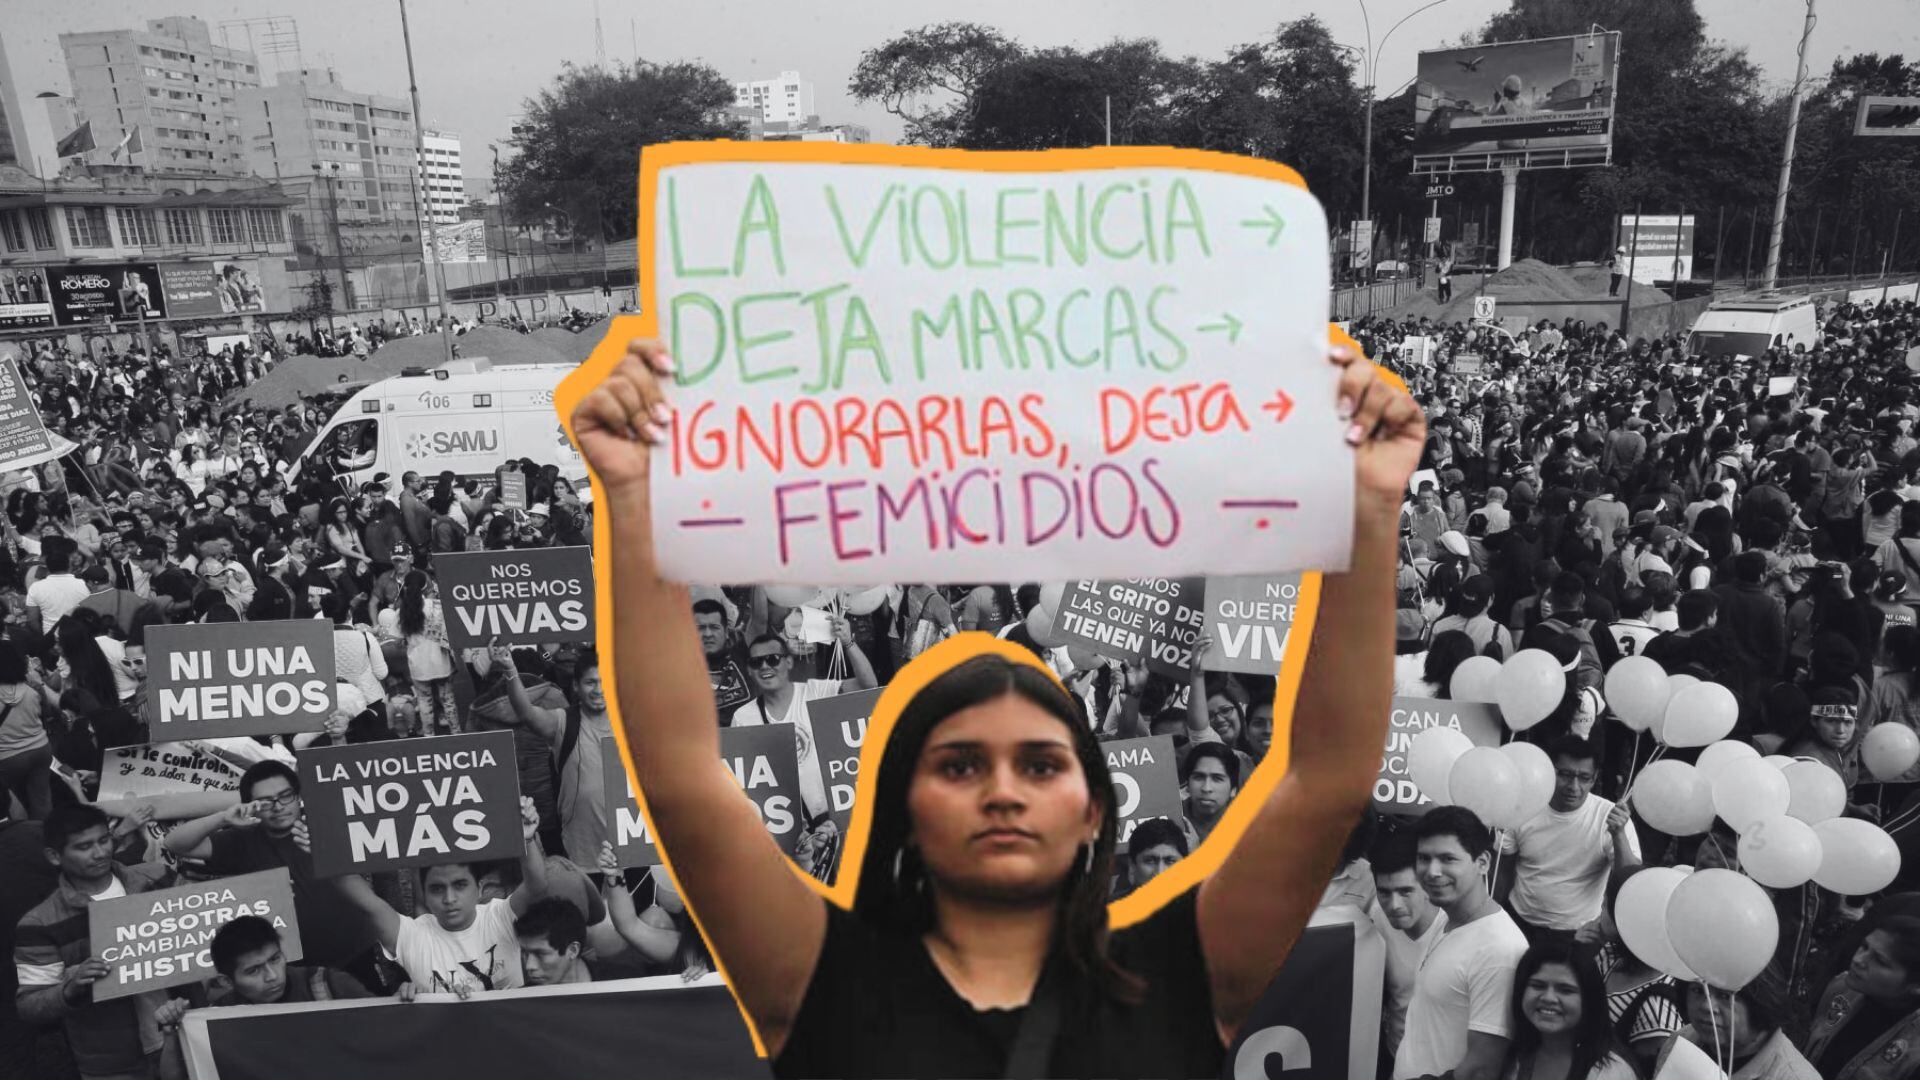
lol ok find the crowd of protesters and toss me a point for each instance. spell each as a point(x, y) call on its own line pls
point(1586, 495)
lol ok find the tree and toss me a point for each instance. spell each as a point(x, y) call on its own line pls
point(581, 137)
point(930, 77)
point(1060, 97)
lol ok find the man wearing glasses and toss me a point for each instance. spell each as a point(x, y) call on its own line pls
point(779, 700)
point(1554, 880)
point(260, 834)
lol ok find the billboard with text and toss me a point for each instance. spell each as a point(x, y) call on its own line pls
point(1516, 100)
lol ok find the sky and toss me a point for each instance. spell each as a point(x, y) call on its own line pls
point(478, 60)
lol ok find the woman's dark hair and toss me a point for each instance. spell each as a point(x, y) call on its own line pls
point(1449, 650)
point(1593, 1039)
point(91, 669)
point(413, 603)
point(903, 903)
point(13, 663)
point(1903, 942)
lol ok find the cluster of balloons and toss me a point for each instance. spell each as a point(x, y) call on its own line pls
point(1504, 786)
point(853, 601)
point(1527, 687)
point(1677, 710)
point(1786, 810)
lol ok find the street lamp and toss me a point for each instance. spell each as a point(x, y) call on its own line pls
point(1372, 62)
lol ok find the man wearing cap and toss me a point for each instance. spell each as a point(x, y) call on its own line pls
point(171, 587)
point(116, 607)
point(387, 587)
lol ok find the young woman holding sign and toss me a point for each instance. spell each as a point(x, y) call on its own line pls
point(979, 943)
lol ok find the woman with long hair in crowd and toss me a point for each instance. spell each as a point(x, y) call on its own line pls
point(989, 859)
point(1561, 1028)
point(429, 655)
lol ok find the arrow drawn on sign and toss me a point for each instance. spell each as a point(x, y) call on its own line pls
point(1273, 222)
point(1281, 405)
point(1227, 323)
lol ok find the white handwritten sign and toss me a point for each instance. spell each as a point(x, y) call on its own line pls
point(892, 372)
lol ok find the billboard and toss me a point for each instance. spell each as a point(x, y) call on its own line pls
point(459, 242)
point(82, 294)
point(1542, 103)
point(25, 303)
point(1888, 117)
point(1659, 246)
point(221, 287)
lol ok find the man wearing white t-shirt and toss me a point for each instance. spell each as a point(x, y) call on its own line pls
point(1458, 1018)
point(56, 595)
point(779, 700)
point(463, 943)
point(1556, 882)
point(1408, 923)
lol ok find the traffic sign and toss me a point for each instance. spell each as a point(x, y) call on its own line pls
point(1483, 308)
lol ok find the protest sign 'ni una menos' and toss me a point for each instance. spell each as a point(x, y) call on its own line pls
point(213, 680)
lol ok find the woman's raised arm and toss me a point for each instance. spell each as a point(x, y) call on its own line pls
point(1253, 909)
point(763, 923)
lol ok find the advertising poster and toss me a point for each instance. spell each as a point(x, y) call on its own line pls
point(82, 294)
point(25, 303)
point(1551, 94)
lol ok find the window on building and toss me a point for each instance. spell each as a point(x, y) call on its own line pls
point(226, 226)
point(264, 227)
point(40, 228)
point(13, 230)
point(87, 227)
point(183, 227)
point(137, 227)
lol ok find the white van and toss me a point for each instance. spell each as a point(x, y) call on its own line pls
point(466, 415)
point(1751, 326)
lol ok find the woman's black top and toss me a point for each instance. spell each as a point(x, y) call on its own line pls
point(878, 1006)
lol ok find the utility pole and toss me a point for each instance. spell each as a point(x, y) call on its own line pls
point(420, 183)
point(1771, 276)
point(332, 183)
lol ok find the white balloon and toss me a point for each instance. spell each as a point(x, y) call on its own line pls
point(1780, 852)
point(1486, 782)
point(1675, 684)
point(1778, 761)
point(1818, 791)
point(1473, 679)
point(1640, 911)
point(1430, 758)
point(1723, 926)
point(1529, 687)
point(1637, 691)
point(863, 601)
point(1723, 753)
point(1674, 798)
point(1856, 857)
point(1537, 780)
point(794, 596)
point(1749, 790)
point(1699, 714)
point(1889, 750)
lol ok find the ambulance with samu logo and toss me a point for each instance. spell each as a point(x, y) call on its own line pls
point(467, 416)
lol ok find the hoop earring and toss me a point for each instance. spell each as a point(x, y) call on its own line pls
point(899, 855)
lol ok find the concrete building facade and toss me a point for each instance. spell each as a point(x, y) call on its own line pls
point(172, 84)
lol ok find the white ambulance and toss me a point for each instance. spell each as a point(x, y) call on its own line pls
point(1751, 326)
point(466, 415)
